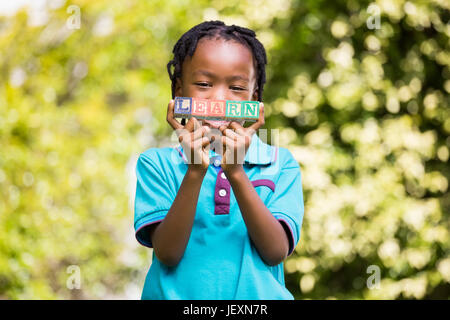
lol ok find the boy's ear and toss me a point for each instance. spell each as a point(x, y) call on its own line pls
point(178, 87)
point(255, 95)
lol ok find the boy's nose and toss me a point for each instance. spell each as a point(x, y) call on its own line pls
point(219, 94)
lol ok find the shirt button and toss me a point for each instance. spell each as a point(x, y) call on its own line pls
point(223, 175)
point(222, 192)
point(217, 163)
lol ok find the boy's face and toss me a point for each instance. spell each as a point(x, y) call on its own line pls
point(220, 70)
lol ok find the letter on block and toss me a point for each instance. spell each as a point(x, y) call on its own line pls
point(200, 108)
point(251, 110)
point(182, 107)
point(186, 107)
point(216, 110)
point(234, 109)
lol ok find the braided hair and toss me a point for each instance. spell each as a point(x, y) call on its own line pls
point(187, 44)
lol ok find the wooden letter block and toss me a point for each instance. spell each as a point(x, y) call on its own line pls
point(200, 107)
point(186, 107)
point(216, 110)
point(234, 109)
point(251, 110)
point(182, 107)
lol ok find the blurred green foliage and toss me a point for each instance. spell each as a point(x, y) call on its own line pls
point(364, 111)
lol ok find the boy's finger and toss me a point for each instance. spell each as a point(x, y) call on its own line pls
point(200, 132)
point(227, 142)
point(222, 128)
point(231, 134)
point(191, 125)
point(170, 116)
point(204, 141)
point(186, 131)
point(260, 121)
point(237, 127)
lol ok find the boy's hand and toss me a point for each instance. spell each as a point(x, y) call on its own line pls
point(236, 140)
point(194, 139)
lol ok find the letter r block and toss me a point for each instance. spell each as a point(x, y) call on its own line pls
point(234, 109)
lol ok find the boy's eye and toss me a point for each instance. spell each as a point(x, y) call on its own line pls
point(237, 88)
point(203, 84)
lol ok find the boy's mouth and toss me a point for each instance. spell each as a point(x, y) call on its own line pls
point(215, 123)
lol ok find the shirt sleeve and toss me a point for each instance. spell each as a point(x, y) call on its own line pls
point(154, 195)
point(286, 203)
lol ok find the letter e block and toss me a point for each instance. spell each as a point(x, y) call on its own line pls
point(200, 107)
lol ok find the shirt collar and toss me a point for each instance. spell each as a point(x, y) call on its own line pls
point(258, 152)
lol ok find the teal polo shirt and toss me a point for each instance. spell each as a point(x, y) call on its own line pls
point(220, 262)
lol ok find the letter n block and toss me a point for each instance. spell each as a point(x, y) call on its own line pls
point(234, 110)
point(251, 110)
point(182, 107)
point(217, 109)
point(200, 108)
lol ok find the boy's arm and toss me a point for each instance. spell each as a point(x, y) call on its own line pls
point(171, 235)
point(266, 232)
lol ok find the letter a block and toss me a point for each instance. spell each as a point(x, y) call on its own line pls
point(182, 107)
point(216, 110)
